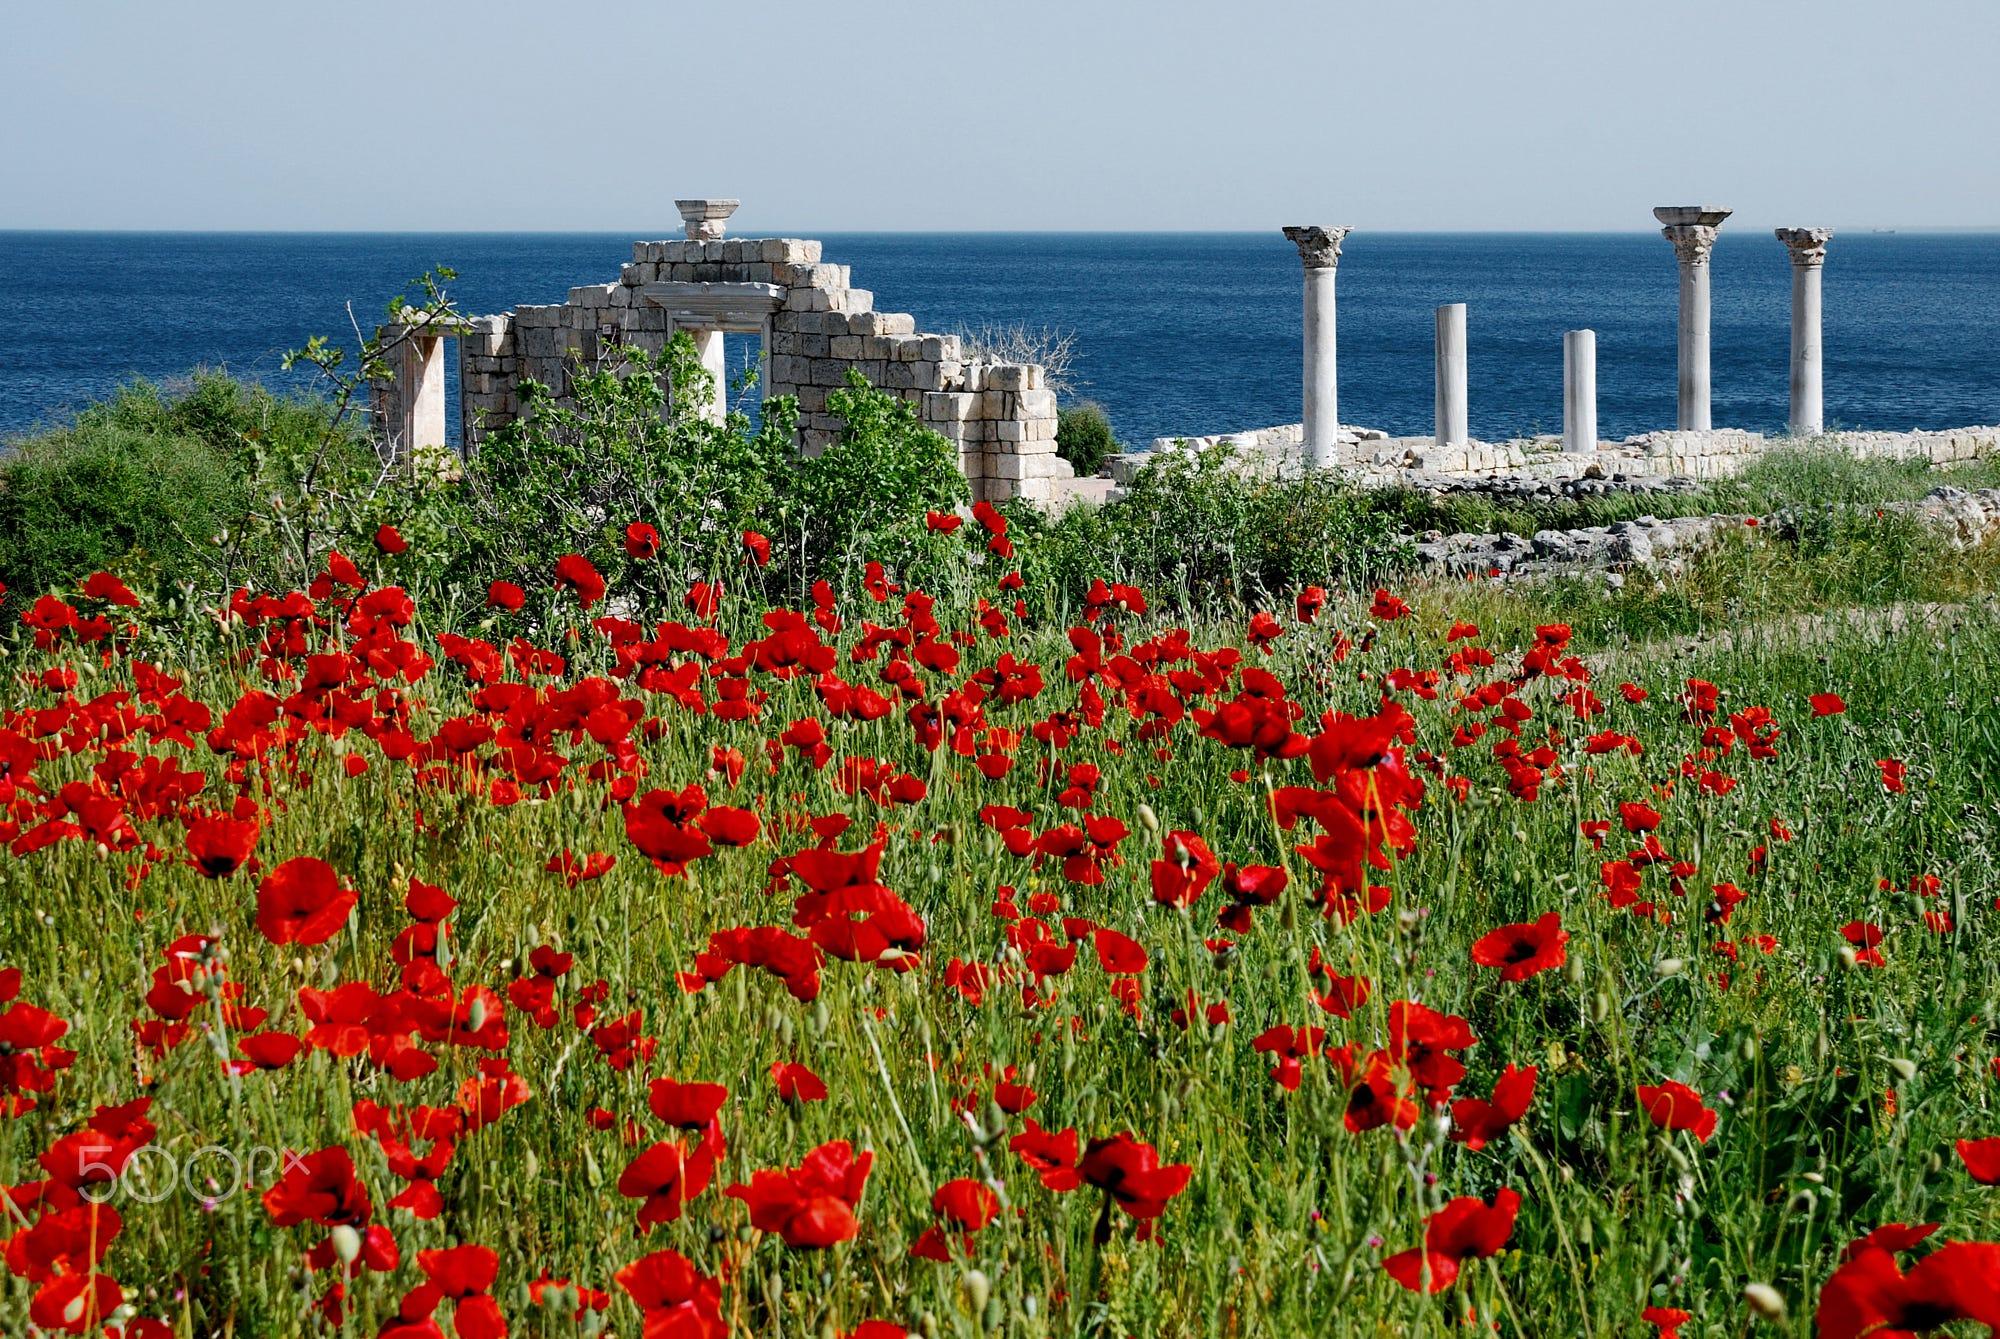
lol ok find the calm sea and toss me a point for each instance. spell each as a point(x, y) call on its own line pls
point(1175, 333)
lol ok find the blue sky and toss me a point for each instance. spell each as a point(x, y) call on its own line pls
point(1033, 114)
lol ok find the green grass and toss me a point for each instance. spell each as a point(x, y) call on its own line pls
point(1287, 1215)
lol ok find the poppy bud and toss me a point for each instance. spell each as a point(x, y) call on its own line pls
point(978, 1288)
point(1847, 955)
point(1748, 1049)
point(1906, 1070)
point(475, 1017)
point(995, 1313)
point(1765, 1300)
point(1822, 1045)
point(1801, 1202)
point(1600, 1007)
point(1668, 966)
point(531, 1167)
point(1148, 819)
point(346, 1243)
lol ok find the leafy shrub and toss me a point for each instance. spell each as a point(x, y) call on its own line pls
point(1199, 525)
point(173, 488)
point(630, 444)
point(1084, 437)
point(869, 490)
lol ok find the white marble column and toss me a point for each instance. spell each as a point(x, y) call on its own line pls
point(708, 344)
point(416, 398)
point(1319, 253)
point(1808, 248)
point(1691, 228)
point(1448, 402)
point(1580, 391)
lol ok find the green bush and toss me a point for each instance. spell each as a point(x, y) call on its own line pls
point(866, 495)
point(632, 443)
point(171, 488)
point(1199, 530)
point(1084, 437)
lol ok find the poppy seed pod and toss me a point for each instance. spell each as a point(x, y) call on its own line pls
point(978, 1290)
point(1765, 1300)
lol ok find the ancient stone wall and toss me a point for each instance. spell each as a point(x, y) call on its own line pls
point(816, 328)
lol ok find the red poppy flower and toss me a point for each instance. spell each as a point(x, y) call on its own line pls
point(1050, 1153)
point(796, 1083)
point(319, 1188)
point(1466, 1229)
point(1130, 1173)
point(1871, 1295)
point(108, 588)
point(302, 902)
point(759, 548)
point(575, 572)
point(810, 1206)
point(505, 595)
point(1675, 1106)
point(1522, 950)
point(941, 522)
point(964, 1207)
point(1475, 1123)
point(665, 1177)
point(686, 1106)
point(1982, 1159)
point(390, 540)
point(677, 1300)
point(642, 541)
point(1669, 1319)
point(219, 844)
point(1827, 704)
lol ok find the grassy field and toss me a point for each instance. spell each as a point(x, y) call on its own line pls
point(1068, 972)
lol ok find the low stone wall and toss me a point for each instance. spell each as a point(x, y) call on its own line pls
point(1537, 466)
point(1966, 518)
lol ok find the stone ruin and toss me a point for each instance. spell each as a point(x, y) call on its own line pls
point(815, 327)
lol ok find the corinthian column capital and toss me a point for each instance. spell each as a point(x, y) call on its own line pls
point(1692, 241)
point(1319, 248)
point(1807, 245)
point(1691, 228)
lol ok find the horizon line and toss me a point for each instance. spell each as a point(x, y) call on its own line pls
point(1865, 229)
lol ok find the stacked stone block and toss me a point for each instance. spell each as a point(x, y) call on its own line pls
point(999, 416)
